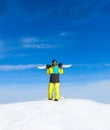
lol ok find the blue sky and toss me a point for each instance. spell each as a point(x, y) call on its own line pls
point(34, 32)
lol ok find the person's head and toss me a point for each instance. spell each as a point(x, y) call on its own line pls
point(54, 62)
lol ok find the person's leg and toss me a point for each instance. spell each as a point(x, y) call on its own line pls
point(50, 91)
point(57, 91)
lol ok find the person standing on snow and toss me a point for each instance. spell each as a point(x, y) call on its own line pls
point(54, 85)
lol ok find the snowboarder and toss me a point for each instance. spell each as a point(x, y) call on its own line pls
point(54, 85)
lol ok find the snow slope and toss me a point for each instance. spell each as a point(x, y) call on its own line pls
point(66, 114)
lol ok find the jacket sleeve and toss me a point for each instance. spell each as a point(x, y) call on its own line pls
point(61, 71)
point(50, 70)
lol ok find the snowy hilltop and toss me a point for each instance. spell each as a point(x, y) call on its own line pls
point(66, 114)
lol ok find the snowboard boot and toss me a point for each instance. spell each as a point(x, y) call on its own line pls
point(50, 99)
point(55, 99)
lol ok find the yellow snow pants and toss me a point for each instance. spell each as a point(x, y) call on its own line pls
point(54, 87)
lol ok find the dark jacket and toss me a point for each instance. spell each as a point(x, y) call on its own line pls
point(54, 72)
point(54, 78)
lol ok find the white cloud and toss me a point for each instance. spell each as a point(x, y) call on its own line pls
point(30, 40)
point(8, 46)
point(63, 34)
point(35, 43)
point(98, 90)
point(30, 66)
point(98, 65)
point(24, 67)
point(40, 45)
point(17, 67)
point(107, 65)
point(73, 35)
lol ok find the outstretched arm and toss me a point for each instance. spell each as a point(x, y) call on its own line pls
point(61, 71)
point(49, 70)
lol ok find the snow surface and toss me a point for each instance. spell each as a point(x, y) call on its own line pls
point(66, 114)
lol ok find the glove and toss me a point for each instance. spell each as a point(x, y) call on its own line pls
point(60, 65)
point(48, 66)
